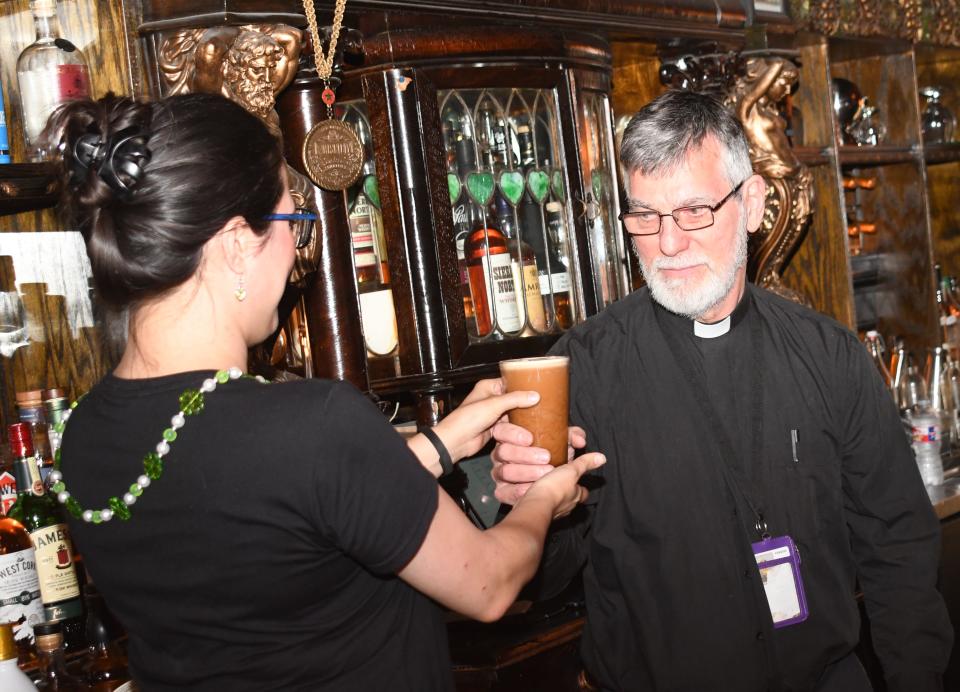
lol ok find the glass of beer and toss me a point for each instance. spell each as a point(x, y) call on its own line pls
point(547, 419)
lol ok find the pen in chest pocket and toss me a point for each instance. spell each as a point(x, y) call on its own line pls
point(793, 445)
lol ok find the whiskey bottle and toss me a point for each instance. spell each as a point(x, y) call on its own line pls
point(41, 515)
point(53, 675)
point(491, 275)
point(523, 264)
point(30, 411)
point(20, 602)
point(555, 280)
point(50, 70)
point(12, 679)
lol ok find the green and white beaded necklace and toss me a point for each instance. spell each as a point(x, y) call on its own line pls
point(191, 403)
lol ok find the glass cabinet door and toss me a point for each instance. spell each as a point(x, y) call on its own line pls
point(601, 199)
point(510, 213)
point(371, 265)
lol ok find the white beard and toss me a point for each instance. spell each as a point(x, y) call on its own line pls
point(693, 300)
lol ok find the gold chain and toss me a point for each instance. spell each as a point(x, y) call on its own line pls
point(325, 64)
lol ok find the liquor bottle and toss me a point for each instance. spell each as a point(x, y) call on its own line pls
point(53, 675)
point(41, 515)
point(50, 70)
point(4, 138)
point(12, 679)
point(465, 164)
point(55, 404)
point(30, 411)
point(20, 602)
point(523, 264)
point(105, 667)
point(875, 349)
point(492, 134)
point(491, 275)
point(949, 315)
point(558, 266)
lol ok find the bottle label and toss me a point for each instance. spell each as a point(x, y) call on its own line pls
point(530, 290)
point(948, 320)
point(925, 433)
point(560, 282)
point(8, 492)
point(379, 322)
point(58, 576)
point(20, 593)
point(74, 81)
point(498, 282)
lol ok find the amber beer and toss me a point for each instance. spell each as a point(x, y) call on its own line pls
point(547, 419)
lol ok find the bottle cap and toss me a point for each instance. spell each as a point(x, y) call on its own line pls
point(43, 8)
point(8, 647)
point(49, 636)
point(554, 207)
point(55, 393)
point(21, 442)
point(31, 398)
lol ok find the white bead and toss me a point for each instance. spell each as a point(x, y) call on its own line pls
point(163, 448)
point(129, 498)
point(63, 497)
point(208, 385)
point(177, 421)
point(88, 515)
point(55, 477)
point(143, 481)
point(67, 414)
point(106, 514)
point(261, 379)
point(235, 372)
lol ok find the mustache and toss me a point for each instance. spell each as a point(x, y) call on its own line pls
point(681, 261)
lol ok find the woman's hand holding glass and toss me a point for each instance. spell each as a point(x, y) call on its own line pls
point(517, 465)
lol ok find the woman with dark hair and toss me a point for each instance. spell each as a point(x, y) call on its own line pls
point(252, 535)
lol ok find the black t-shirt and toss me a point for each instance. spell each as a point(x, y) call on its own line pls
point(265, 555)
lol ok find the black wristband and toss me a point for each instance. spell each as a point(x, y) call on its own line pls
point(446, 463)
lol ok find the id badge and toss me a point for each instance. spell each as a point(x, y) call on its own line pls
point(779, 565)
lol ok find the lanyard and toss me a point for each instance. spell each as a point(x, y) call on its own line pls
point(681, 350)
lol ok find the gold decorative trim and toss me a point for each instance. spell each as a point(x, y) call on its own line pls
point(918, 21)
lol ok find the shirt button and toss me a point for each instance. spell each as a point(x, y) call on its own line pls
point(746, 573)
point(759, 636)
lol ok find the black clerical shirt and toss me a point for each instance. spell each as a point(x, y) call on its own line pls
point(674, 598)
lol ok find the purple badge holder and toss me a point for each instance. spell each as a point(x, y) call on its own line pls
point(779, 564)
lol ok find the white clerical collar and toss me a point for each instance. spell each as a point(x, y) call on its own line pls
point(712, 331)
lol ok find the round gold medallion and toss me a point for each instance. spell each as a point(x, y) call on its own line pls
point(333, 155)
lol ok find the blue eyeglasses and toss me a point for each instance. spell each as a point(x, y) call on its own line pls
point(301, 224)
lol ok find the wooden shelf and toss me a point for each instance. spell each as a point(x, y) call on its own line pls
point(875, 156)
point(812, 156)
point(942, 153)
point(27, 186)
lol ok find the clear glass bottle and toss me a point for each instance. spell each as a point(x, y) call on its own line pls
point(53, 669)
point(937, 122)
point(30, 411)
point(50, 70)
point(12, 679)
point(874, 345)
point(868, 130)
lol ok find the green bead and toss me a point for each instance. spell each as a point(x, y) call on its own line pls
point(169, 434)
point(74, 507)
point(152, 466)
point(56, 459)
point(96, 516)
point(59, 428)
point(59, 487)
point(191, 402)
point(120, 510)
point(222, 376)
point(136, 490)
point(74, 404)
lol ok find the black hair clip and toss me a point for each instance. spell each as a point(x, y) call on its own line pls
point(119, 162)
point(122, 167)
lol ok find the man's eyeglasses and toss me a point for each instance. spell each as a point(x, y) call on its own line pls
point(301, 224)
point(648, 221)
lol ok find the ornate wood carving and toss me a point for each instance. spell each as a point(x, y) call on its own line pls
point(764, 82)
point(929, 21)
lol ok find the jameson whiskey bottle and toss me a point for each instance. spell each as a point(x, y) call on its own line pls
point(50, 70)
point(40, 514)
point(20, 601)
